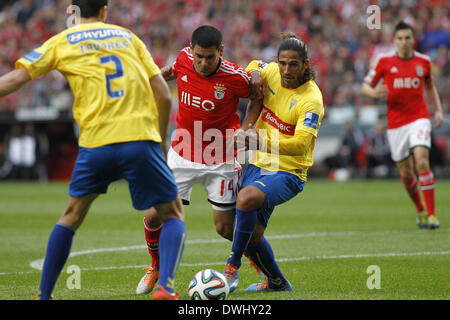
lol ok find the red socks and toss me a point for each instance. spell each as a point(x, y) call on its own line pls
point(426, 180)
point(413, 191)
point(152, 238)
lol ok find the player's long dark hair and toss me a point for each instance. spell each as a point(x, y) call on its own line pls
point(291, 42)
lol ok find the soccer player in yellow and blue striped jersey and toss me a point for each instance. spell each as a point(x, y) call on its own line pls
point(122, 106)
point(284, 140)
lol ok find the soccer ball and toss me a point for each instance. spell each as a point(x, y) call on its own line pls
point(208, 284)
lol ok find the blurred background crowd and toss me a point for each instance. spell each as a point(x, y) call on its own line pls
point(341, 46)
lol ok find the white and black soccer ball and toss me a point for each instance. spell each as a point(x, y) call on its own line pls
point(208, 284)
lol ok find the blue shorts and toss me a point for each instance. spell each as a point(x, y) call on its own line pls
point(278, 186)
point(141, 163)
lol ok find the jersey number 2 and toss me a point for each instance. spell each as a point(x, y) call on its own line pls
point(109, 77)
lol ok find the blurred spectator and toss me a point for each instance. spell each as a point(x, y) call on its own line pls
point(5, 165)
point(379, 162)
point(385, 45)
point(14, 152)
point(42, 151)
point(346, 157)
point(438, 151)
point(29, 152)
point(26, 10)
point(434, 37)
point(22, 153)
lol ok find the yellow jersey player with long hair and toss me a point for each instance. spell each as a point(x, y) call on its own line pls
point(283, 139)
point(122, 106)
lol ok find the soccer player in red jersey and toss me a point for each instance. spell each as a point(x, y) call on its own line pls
point(406, 73)
point(209, 89)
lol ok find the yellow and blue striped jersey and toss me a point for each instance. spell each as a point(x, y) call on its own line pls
point(108, 69)
point(285, 112)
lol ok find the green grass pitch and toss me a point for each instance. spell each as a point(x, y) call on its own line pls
point(325, 240)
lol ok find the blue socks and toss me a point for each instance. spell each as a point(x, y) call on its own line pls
point(171, 246)
point(58, 249)
point(262, 255)
point(245, 224)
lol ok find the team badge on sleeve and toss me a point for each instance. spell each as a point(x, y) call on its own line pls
point(311, 120)
point(219, 94)
point(32, 56)
point(419, 71)
point(262, 65)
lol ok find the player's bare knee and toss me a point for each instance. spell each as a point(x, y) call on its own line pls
point(247, 200)
point(422, 165)
point(225, 231)
point(71, 218)
point(406, 174)
point(256, 238)
point(170, 210)
point(76, 210)
point(152, 218)
point(172, 215)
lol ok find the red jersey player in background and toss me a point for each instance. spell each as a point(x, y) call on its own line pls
point(209, 89)
point(405, 74)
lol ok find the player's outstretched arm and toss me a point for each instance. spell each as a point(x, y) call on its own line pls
point(433, 94)
point(380, 91)
point(167, 73)
point(164, 103)
point(243, 135)
point(298, 145)
point(256, 86)
point(254, 108)
point(13, 81)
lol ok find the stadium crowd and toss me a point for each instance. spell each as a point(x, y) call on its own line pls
point(340, 44)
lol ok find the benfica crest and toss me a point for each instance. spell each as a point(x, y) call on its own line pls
point(219, 92)
point(419, 71)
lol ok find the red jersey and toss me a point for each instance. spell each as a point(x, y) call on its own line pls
point(404, 79)
point(207, 109)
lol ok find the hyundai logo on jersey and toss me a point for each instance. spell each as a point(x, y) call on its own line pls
point(97, 34)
